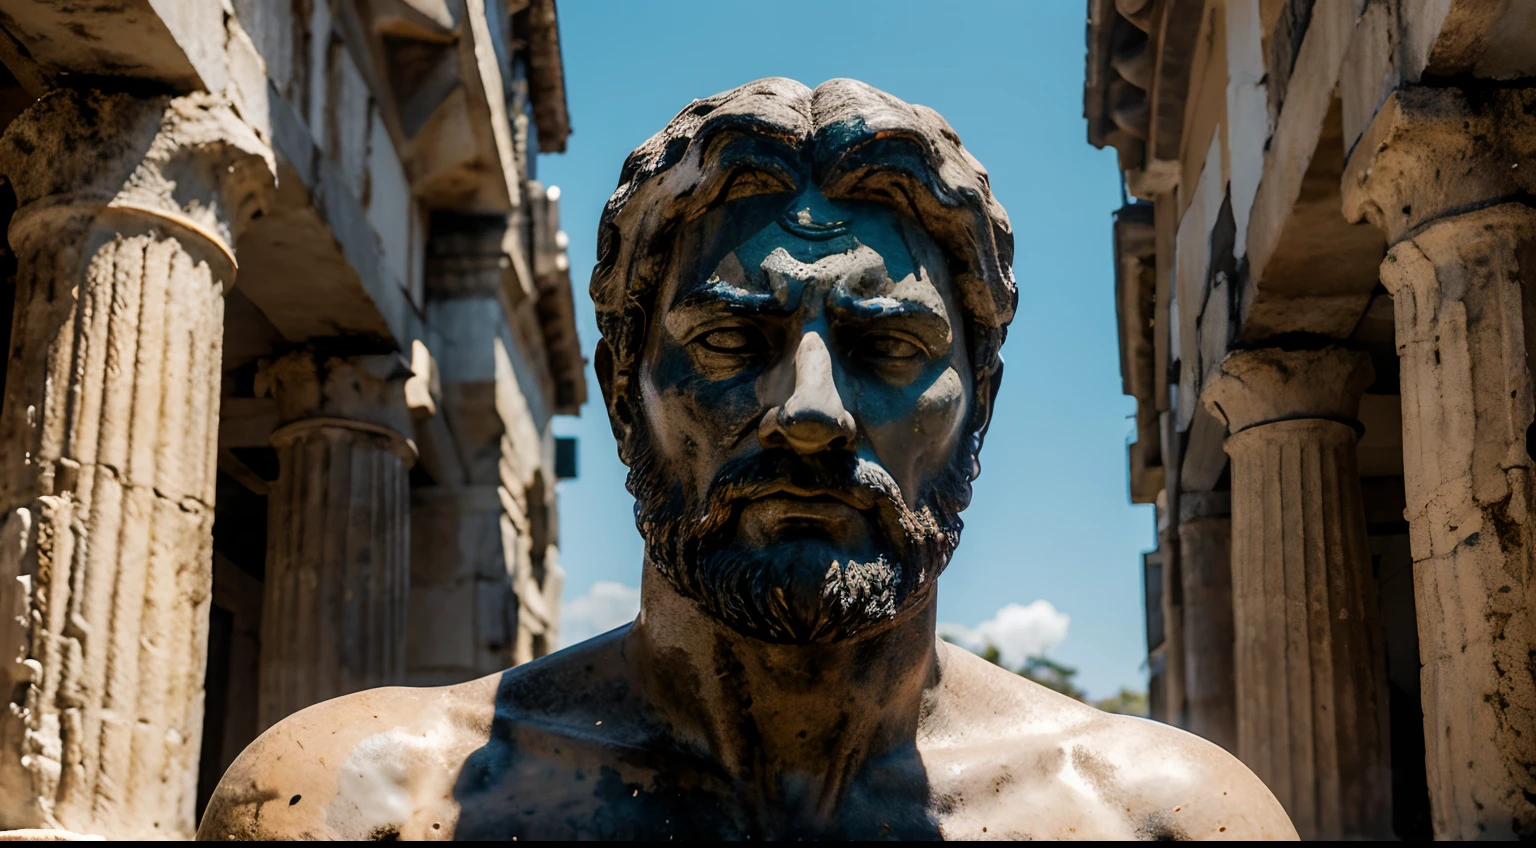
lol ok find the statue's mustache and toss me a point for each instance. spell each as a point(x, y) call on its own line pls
point(839, 474)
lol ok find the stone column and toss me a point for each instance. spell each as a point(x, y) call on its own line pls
point(1311, 685)
point(1175, 704)
point(1464, 291)
point(1205, 557)
point(127, 214)
point(338, 530)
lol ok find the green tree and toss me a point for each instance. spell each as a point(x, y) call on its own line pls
point(1125, 702)
point(1052, 675)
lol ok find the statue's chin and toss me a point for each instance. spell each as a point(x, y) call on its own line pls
point(793, 592)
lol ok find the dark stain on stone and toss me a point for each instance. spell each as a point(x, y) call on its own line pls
point(385, 833)
point(294, 800)
point(1097, 771)
point(1160, 827)
point(1004, 779)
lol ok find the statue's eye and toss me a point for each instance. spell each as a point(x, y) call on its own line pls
point(891, 348)
point(740, 341)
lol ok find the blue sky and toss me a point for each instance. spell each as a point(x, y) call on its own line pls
point(1051, 520)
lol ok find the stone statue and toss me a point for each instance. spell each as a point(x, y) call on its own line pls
point(802, 297)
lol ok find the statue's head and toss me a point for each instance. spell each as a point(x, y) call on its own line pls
point(802, 296)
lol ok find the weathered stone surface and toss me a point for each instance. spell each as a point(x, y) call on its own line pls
point(1446, 174)
point(1263, 386)
point(176, 45)
point(128, 208)
point(1431, 152)
point(497, 360)
point(1205, 566)
point(338, 531)
point(1454, 38)
point(1464, 292)
point(1393, 113)
point(132, 212)
point(462, 607)
point(1174, 703)
point(1311, 712)
point(46, 835)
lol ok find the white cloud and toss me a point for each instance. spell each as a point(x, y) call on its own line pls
point(1018, 631)
point(606, 605)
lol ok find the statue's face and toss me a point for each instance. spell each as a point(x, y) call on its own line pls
point(806, 391)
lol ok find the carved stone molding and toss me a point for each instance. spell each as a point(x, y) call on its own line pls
point(1432, 152)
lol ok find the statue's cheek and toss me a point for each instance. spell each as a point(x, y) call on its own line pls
point(915, 429)
point(941, 408)
point(721, 410)
point(694, 408)
point(929, 408)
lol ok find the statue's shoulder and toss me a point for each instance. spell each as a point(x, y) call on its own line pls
point(402, 763)
point(371, 765)
point(1178, 784)
point(1168, 783)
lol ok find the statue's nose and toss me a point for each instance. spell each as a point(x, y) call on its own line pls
point(813, 418)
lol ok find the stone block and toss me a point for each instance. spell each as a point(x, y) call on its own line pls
point(494, 604)
point(348, 118)
point(441, 626)
point(389, 203)
point(248, 81)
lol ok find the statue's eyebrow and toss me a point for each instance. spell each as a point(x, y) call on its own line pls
point(718, 297)
point(865, 309)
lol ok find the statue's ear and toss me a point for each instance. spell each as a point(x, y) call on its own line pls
point(620, 417)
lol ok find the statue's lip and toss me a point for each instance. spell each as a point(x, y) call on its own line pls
point(858, 499)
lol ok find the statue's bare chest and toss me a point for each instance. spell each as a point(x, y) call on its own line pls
point(533, 784)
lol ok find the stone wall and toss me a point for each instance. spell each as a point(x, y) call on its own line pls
point(289, 337)
point(1322, 285)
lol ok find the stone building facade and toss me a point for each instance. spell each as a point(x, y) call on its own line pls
point(1326, 290)
point(288, 316)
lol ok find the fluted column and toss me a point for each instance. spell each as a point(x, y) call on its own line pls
point(1205, 559)
point(338, 530)
point(1175, 707)
point(1311, 703)
point(127, 213)
point(1464, 293)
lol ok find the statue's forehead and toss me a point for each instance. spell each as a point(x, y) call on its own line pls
point(860, 250)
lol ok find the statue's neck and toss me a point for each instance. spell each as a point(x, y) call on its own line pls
point(795, 725)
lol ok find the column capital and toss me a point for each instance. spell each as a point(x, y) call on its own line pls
point(189, 163)
point(1464, 245)
point(1432, 152)
point(1254, 387)
point(366, 394)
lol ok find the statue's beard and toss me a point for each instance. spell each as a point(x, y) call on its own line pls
point(817, 593)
